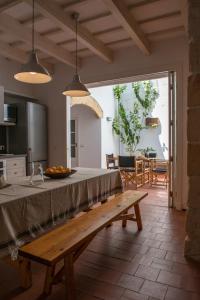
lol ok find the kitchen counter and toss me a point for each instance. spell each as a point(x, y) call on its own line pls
point(7, 156)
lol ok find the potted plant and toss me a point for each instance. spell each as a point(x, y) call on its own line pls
point(148, 152)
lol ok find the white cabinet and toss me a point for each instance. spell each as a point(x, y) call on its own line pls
point(1, 104)
point(15, 167)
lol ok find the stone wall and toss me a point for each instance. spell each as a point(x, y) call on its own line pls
point(192, 244)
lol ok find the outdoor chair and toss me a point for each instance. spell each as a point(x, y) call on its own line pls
point(111, 161)
point(146, 170)
point(159, 172)
point(131, 170)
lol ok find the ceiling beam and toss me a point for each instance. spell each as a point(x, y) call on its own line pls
point(63, 20)
point(19, 55)
point(127, 21)
point(8, 5)
point(11, 25)
point(184, 13)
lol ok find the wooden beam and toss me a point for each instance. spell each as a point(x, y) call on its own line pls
point(63, 20)
point(19, 55)
point(127, 21)
point(13, 53)
point(184, 13)
point(8, 5)
point(11, 25)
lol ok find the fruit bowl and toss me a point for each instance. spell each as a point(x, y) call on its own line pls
point(60, 175)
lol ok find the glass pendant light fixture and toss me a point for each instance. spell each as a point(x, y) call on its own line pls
point(76, 88)
point(33, 72)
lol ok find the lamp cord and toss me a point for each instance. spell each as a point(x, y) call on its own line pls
point(33, 27)
point(76, 19)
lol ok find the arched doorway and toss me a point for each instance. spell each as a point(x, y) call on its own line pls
point(86, 117)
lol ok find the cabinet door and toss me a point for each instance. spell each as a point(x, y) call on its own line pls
point(1, 103)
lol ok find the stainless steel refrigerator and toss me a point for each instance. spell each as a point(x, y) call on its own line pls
point(36, 135)
point(30, 133)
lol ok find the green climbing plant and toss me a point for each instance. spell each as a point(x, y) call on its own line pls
point(146, 95)
point(128, 124)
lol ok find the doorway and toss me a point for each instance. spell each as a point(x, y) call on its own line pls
point(163, 138)
point(85, 137)
point(74, 143)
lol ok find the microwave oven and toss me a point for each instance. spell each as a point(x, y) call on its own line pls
point(10, 113)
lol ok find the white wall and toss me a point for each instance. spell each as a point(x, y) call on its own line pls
point(105, 98)
point(89, 136)
point(7, 70)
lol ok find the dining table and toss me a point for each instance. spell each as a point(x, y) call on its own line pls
point(29, 210)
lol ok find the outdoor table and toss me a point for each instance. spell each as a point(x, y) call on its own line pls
point(27, 211)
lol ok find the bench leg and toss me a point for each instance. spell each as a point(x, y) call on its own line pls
point(124, 221)
point(69, 277)
point(102, 202)
point(25, 273)
point(138, 216)
point(49, 280)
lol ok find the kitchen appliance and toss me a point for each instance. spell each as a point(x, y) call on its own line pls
point(3, 167)
point(10, 113)
point(30, 134)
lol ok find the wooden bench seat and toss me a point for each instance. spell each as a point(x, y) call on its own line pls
point(68, 241)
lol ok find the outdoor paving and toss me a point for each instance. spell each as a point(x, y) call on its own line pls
point(122, 263)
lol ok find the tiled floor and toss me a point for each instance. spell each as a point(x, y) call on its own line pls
point(125, 264)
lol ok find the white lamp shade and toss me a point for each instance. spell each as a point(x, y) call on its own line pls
point(76, 88)
point(32, 72)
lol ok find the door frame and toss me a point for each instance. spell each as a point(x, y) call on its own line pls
point(181, 138)
point(76, 141)
point(172, 193)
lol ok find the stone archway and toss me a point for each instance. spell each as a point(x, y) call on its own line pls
point(90, 102)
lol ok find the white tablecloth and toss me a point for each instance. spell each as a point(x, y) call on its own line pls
point(27, 211)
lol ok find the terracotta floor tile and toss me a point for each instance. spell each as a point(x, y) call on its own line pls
point(130, 282)
point(162, 264)
point(147, 272)
point(130, 295)
point(172, 246)
point(175, 257)
point(110, 262)
point(158, 253)
point(152, 243)
point(169, 278)
point(143, 259)
point(97, 272)
point(189, 269)
point(99, 289)
point(154, 289)
point(177, 294)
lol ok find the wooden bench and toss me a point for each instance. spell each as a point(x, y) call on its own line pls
point(68, 241)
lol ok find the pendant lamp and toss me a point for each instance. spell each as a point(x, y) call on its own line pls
point(76, 88)
point(33, 72)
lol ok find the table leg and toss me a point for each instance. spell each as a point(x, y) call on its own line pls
point(25, 273)
point(138, 216)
